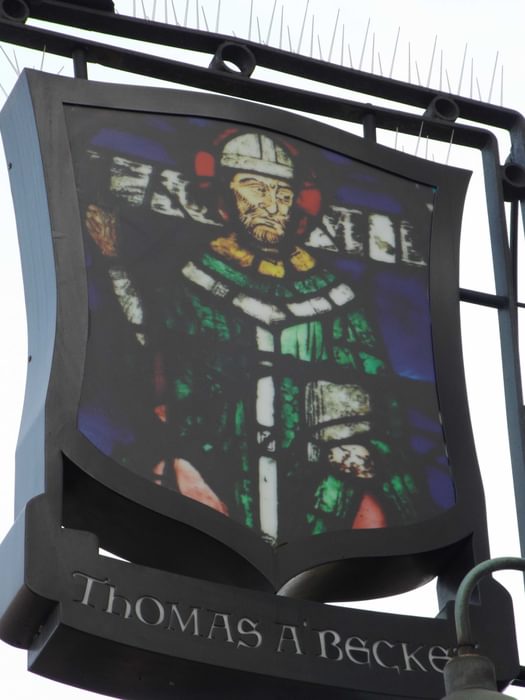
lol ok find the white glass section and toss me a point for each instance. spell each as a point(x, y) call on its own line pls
point(268, 496)
point(382, 238)
point(130, 180)
point(265, 401)
point(341, 224)
point(127, 296)
point(267, 313)
point(341, 294)
point(312, 307)
point(326, 401)
point(194, 274)
point(320, 239)
point(265, 340)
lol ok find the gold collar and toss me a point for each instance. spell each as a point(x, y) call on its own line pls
point(229, 248)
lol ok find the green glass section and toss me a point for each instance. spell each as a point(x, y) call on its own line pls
point(191, 327)
point(381, 446)
point(328, 495)
point(241, 279)
point(281, 292)
point(314, 283)
point(337, 329)
point(182, 389)
point(400, 490)
point(225, 270)
point(245, 501)
point(243, 488)
point(362, 328)
point(371, 364)
point(239, 418)
point(290, 411)
point(333, 497)
point(215, 388)
point(304, 341)
point(317, 524)
point(319, 527)
point(344, 357)
point(342, 338)
point(347, 333)
point(211, 319)
point(410, 484)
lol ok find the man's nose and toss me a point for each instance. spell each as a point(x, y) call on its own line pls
point(270, 201)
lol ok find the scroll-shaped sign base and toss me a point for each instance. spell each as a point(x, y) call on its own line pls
point(120, 629)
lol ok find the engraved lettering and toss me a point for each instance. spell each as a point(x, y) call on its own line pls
point(221, 627)
point(112, 598)
point(411, 656)
point(247, 627)
point(357, 651)
point(192, 619)
point(158, 610)
point(89, 586)
point(244, 632)
point(377, 658)
point(289, 636)
point(330, 639)
point(439, 654)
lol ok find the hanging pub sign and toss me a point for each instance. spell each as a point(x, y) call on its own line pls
point(244, 379)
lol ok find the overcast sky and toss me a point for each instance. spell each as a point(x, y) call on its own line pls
point(473, 47)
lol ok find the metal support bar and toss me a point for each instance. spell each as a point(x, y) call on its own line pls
point(513, 242)
point(508, 326)
point(80, 63)
point(270, 57)
point(482, 299)
point(369, 126)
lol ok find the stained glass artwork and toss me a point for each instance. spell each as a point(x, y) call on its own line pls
point(259, 326)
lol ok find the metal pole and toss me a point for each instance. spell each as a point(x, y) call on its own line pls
point(79, 57)
point(369, 126)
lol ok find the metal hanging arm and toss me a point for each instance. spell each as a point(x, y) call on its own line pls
point(465, 637)
point(470, 675)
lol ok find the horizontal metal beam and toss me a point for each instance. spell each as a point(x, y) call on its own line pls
point(236, 84)
point(494, 301)
point(269, 57)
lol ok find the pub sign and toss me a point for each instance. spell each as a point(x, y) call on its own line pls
point(245, 380)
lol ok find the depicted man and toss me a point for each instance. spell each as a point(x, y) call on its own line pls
point(270, 386)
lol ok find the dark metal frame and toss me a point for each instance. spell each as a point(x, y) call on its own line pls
point(93, 503)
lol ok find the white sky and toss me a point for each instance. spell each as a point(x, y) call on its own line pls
point(489, 35)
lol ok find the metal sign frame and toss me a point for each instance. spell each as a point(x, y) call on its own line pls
point(36, 597)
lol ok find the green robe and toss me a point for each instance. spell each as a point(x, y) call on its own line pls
point(263, 377)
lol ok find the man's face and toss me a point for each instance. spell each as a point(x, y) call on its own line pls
point(264, 205)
